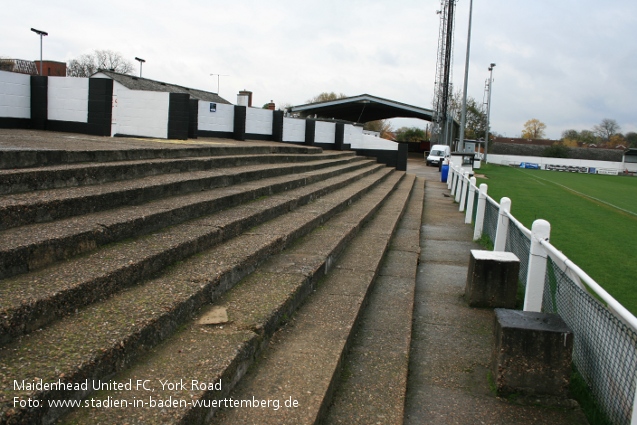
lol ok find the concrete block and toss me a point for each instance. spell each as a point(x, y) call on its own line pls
point(492, 279)
point(532, 354)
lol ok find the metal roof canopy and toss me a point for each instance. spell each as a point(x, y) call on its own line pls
point(363, 108)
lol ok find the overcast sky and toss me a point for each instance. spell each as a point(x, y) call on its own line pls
point(568, 63)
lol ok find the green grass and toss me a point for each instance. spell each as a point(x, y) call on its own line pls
point(593, 219)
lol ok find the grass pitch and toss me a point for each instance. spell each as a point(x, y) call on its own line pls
point(593, 219)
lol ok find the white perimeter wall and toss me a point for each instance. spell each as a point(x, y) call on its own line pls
point(516, 160)
point(373, 142)
point(221, 120)
point(353, 135)
point(259, 121)
point(67, 99)
point(293, 130)
point(139, 113)
point(325, 132)
point(15, 95)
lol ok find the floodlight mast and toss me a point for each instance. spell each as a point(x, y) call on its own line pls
point(463, 119)
point(141, 61)
point(41, 34)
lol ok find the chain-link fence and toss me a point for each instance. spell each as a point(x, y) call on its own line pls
point(605, 349)
point(490, 226)
point(519, 244)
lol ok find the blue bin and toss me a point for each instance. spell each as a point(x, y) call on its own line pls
point(444, 173)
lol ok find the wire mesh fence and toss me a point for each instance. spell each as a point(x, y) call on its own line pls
point(605, 349)
point(519, 244)
point(490, 226)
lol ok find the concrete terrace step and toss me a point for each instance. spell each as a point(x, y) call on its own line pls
point(34, 246)
point(54, 204)
point(35, 157)
point(373, 384)
point(108, 336)
point(256, 307)
point(30, 301)
point(29, 179)
point(304, 361)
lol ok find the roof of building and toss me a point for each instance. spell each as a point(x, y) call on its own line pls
point(363, 108)
point(137, 83)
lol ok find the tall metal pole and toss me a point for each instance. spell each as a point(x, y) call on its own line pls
point(40, 33)
point(486, 138)
point(463, 119)
point(219, 76)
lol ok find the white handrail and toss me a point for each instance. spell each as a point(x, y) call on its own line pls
point(626, 316)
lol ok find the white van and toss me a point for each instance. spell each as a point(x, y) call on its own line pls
point(437, 154)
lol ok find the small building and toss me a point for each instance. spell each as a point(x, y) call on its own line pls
point(629, 160)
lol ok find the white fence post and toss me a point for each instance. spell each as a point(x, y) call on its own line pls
point(459, 185)
point(453, 180)
point(482, 204)
point(503, 225)
point(450, 177)
point(463, 194)
point(541, 230)
point(470, 200)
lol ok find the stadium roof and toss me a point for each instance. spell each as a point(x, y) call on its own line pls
point(363, 108)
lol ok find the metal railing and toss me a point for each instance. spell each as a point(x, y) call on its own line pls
point(605, 345)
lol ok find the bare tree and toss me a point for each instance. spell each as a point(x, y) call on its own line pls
point(325, 96)
point(88, 64)
point(606, 129)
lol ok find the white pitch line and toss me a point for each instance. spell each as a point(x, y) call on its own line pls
point(585, 195)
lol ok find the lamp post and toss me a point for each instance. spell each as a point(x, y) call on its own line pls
point(463, 119)
point(141, 62)
point(218, 76)
point(486, 138)
point(41, 34)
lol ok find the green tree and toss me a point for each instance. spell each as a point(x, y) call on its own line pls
point(410, 134)
point(533, 129)
point(631, 139)
point(558, 150)
point(381, 126)
point(476, 118)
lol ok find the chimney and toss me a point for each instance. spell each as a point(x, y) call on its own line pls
point(271, 106)
point(244, 98)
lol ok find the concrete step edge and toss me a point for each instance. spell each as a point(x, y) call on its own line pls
point(86, 174)
point(37, 157)
point(54, 204)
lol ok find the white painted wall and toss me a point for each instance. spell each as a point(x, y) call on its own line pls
point(68, 99)
point(222, 120)
point(15, 95)
point(293, 130)
point(325, 132)
point(259, 121)
point(373, 142)
point(353, 135)
point(516, 160)
point(139, 113)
